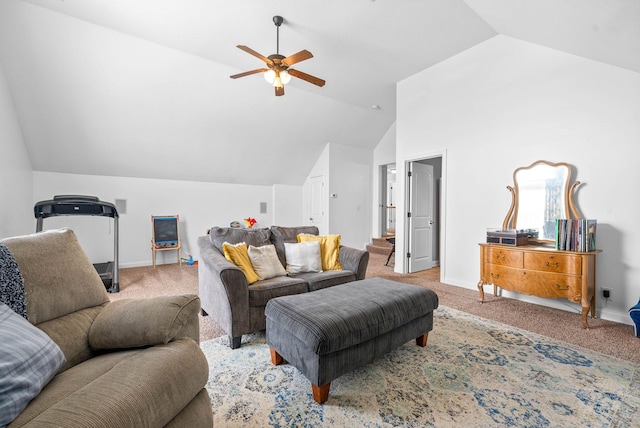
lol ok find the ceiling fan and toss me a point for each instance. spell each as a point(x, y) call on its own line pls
point(277, 71)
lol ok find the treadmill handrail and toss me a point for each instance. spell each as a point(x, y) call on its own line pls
point(59, 206)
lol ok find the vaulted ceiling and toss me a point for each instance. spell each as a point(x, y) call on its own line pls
point(141, 88)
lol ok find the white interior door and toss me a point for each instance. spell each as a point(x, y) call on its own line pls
point(420, 216)
point(316, 211)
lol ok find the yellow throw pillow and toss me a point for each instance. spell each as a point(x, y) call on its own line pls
point(238, 254)
point(329, 249)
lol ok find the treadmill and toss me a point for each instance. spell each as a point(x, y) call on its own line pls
point(85, 205)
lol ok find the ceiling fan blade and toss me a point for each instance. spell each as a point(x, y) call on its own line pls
point(297, 57)
point(256, 54)
point(248, 73)
point(279, 91)
point(307, 77)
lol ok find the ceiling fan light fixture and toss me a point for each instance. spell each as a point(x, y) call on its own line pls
point(270, 76)
point(277, 82)
point(277, 79)
point(285, 77)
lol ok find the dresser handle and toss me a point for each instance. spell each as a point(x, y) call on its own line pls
point(560, 287)
point(555, 264)
point(501, 259)
point(496, 276)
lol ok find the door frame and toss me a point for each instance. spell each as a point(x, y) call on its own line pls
point(402, 262)
point(382, 199)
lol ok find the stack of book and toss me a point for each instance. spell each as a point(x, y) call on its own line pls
point(576, 234)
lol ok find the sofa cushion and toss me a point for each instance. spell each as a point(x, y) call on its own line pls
point(261, 292)
point(265, 261)
point(327, 278)
point(280, 235)
point(65, 271)
point(144, 387)
point(238, 254)
point(29, 359)
point(329, 249)
point(71, 334)
point(303, 257)
point(256, 237)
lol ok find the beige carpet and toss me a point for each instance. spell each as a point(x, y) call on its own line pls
point(606, 337)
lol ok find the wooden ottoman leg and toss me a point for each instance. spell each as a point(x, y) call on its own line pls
point(422, 340)
point(276, 358)
point(320, 393)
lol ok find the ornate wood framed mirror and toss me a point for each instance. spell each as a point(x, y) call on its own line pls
point(542, 192)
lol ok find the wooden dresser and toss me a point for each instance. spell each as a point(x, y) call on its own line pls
point(541, 271)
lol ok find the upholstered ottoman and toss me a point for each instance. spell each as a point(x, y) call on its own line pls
point(330, 332)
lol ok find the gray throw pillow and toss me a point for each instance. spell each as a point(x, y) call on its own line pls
point(29, 359)
point(256, 237)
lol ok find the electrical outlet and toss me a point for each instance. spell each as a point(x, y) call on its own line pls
point(606, 293)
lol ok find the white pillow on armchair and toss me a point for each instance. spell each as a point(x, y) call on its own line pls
point(29, 359)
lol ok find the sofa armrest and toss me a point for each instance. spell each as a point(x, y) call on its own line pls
point(133, 323)
point(354, 260)
point(223, 289)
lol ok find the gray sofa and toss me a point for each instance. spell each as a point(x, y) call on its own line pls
point(239, 307)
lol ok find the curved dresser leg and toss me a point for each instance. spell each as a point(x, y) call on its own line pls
point(585, 312)
point(481, 290)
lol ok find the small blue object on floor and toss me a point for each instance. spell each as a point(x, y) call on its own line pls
point(634, 313)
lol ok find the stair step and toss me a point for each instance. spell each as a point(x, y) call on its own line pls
point(380, 245)
point(378, 250)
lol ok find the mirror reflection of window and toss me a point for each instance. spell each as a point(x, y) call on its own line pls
point(541, 198)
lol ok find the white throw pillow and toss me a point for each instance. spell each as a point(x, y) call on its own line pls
point(303, 257)
point(29, 359)
point(265, 261)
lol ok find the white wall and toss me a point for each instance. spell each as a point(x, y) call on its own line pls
point(505, 104)
point(351, 180)
point(199, 205)
point(16, 183)
point(287, 205)
point(347, 174)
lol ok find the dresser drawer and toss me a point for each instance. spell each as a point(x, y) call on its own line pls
point(548, 285)
point(557, 263)
point(552, 285)
point(503, 257)
point(502, 276)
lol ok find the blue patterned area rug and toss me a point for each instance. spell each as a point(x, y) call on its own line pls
point(472, 373)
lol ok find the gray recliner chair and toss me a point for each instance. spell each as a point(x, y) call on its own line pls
point(127, 363)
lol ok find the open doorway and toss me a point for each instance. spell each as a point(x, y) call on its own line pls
point(387, 198)
point(423, 203)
